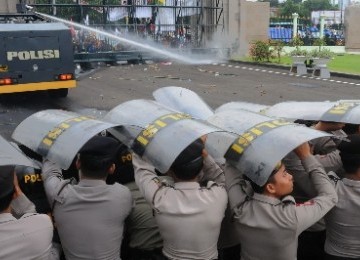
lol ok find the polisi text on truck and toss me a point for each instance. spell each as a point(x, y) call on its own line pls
point(33, 55)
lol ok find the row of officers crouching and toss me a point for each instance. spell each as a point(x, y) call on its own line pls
point(112, 204)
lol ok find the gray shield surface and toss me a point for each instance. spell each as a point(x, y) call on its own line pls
point(293, 110)
point(343, 112)
point(58, 135)
point(11, 155)
point(157, 133)
point(134, 116)
point(262, 143)
point(237, 121)
point(183, 100)
point(253, 107)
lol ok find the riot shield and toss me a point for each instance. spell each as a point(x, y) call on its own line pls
point(253, 107)
point(155, 132)
point(237, 121)
point(31, 184)
point(343, 112)
point(58, 135)
point(11, 155)
point(183, 100)
point(293, 110)
point(134, 116)
point(262, 143)
point(356, 101)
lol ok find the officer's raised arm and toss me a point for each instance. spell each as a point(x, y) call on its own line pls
point(309, 212)
point(238, 189)
point(211, 170)
point(53, 180)
point(330, 161)
point(145, 177)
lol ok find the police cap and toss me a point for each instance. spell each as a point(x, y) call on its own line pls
point(190, 161)
point(352, 147)
point(100, 146)
point(124, 170)
point(350, 153)
point(190, 153)
point(6, 180)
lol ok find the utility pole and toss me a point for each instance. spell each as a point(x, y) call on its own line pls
point(341, 14)
point(53, 7)
point(104, 2)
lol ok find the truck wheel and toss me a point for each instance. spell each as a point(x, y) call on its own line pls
point(58, 93)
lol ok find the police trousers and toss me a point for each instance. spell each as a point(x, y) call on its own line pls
point(311, 245)
point(139, 254)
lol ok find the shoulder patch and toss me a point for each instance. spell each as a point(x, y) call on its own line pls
point(288, 199)
point(333, 177)
point(157, 181)
point(306, 203)
point(210, 184)
point(161, 183)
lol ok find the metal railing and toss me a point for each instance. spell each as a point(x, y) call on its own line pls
point(180, 24)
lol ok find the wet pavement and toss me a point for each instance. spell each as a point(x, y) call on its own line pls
point(106, 87)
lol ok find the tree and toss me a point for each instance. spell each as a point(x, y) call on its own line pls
point(317, 5)
point(273, 3)
point(305, 8)
point(289, 7)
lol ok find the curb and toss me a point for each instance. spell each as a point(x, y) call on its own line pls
point(285, 67)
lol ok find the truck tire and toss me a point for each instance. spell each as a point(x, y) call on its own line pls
point(58, 93)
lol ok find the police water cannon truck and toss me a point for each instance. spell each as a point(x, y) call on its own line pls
point(35, 55)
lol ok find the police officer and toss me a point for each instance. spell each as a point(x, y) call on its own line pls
point(342, 222)
point(189, 216)
point(268, 219)
point(30, 182)
point(23, 233)
point(325, 145)
point(142, 239)
point(311, 241)
point(89, 215)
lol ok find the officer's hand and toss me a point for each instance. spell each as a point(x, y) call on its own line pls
point(303, 151)
point(204, 152)
point(203, 138)
point(18, 191)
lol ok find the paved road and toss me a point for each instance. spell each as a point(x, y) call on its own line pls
point(216, 83)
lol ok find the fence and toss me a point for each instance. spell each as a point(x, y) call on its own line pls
point(173, 23)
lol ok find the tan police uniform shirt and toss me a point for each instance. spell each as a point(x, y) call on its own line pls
point(141, 227)
point(343, 221)
point(324, 145)
point(89, 216)
point(27, 237)
point(269, 227)
point(303, 187)
point(188, 215)
point(325, 149)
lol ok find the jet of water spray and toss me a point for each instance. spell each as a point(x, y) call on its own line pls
point(178, 57)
